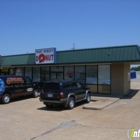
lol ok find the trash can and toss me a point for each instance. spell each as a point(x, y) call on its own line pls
point(132, 74)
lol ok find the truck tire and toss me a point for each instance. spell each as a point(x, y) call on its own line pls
point(71, 103)
point(88, 97)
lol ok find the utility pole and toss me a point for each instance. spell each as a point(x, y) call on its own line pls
point(73, 48)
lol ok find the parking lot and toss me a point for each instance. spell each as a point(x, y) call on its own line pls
point(28, 119)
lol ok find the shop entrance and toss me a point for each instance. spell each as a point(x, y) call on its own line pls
point(57, 75)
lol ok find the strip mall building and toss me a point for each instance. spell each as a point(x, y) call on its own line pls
point(105, 70)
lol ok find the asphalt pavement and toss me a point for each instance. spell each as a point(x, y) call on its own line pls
point(28, 119)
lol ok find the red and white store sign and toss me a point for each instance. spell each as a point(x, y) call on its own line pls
point(45, 56)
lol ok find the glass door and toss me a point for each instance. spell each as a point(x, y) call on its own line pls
point(57, 75)
point(53, 76)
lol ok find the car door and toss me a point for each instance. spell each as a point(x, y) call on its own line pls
point(81, 91)
point(75, 90)
point(28, 85)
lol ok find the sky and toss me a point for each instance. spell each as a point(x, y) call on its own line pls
point(26, 25)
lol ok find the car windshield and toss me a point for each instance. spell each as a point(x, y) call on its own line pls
point(51, 86)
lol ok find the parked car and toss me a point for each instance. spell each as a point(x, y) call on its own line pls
point(12, 86)
point(66, 93)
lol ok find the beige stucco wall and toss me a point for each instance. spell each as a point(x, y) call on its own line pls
point(120, 82)
point(126, 78)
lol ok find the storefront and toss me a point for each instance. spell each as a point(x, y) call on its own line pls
point(103, 70)
point(97, 77)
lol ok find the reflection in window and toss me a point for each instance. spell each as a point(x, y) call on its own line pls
point(104, 74)
point(36, 74)
point(80, 74)
point(69, 73)
point(91, 74)
point(44, 74)
point(12, 71)
point(28, 72)
point(79, 85)
point(28, 80)
point(60, 76)
point(19, 71)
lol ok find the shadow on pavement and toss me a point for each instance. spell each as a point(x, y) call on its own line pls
point(131, 94)
point(53, 108)
point(105, 95)
point(60, 107)
point(18, 99)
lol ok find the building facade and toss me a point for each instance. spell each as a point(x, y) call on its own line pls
point(104, 70)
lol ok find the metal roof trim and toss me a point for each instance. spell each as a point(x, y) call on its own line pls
point(109, 47)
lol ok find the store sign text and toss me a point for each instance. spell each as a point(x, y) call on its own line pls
point(45, 56)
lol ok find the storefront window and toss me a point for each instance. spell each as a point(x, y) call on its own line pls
point(45, 74)
point(69, 73)
point(19, 71)
point(28, 72)
point(59, 75)
point(57, 69)
point(36, 74)
point(91, 74)
point(56, 73)
point(104, 79)
point(80, 74)
point(12, 71)
point(4, 71)
point(104, 74)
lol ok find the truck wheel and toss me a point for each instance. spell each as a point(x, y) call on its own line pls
point(35, 93)
point(88, 98)
point(6, 99)
point(71, 103)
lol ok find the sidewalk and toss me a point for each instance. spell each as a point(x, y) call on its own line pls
point(100, 102)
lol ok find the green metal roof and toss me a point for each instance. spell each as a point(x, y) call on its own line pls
point(25, 59)
point(129, 53)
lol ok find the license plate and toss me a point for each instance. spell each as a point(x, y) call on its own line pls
point(50, 95)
